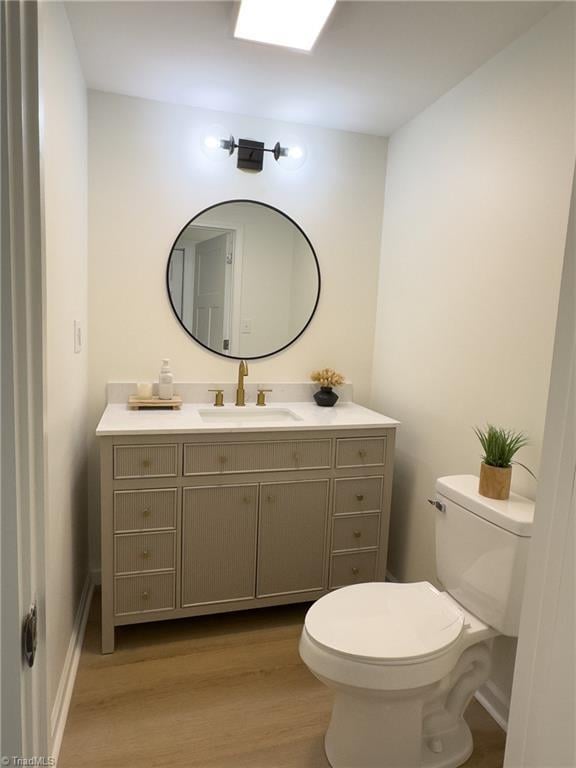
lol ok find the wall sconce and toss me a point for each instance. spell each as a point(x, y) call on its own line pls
point(251, 153)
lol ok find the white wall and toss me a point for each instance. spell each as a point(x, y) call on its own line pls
point(148, 177)
point(475, 216)
point(64, 158)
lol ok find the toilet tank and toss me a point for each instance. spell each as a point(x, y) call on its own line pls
point(482, 549)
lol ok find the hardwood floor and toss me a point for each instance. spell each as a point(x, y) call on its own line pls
point(225, 691)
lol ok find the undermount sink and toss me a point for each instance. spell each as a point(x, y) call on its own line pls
point(248, 415)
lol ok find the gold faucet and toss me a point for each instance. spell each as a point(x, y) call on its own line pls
point(240, 392)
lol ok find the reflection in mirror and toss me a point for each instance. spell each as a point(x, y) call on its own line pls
point(243, 279)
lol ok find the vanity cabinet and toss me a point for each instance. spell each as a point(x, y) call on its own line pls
point(204, 523)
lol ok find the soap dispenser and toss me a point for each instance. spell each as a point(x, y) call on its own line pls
point(165, 381)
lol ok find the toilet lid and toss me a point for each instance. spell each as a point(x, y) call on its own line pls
point(396, 623)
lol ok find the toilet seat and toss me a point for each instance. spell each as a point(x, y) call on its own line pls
point(385, 623)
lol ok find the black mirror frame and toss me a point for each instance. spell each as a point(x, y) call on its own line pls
point(298, 227)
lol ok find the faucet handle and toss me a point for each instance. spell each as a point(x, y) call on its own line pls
point(261, 399)
point(219, 399)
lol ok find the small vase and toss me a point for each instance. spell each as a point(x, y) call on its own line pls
point(326, 397)
point(495, 482)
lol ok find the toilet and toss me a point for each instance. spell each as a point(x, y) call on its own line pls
point(404, 660)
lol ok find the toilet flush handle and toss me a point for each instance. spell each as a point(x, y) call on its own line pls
point(438, 504)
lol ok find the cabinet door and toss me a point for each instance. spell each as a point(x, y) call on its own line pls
point(218, 543)
point(292, 537)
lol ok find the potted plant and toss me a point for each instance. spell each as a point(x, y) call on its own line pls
point(327, 378)
point(500, 446)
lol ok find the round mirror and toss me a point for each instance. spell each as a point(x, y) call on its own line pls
point(243, 279)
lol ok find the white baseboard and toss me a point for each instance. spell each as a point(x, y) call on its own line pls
point(61, 706)
point(495, 703)
point(390, 577)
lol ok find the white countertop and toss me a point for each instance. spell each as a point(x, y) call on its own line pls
point(118, 419)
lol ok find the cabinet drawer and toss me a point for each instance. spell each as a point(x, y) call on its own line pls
point(141, 594)
point(355, 531)
point(145, 461)
point(352, 568)
point(135, 552)
point(144, 510)
point(357, 494)
point(226, 458)
point(360, 452)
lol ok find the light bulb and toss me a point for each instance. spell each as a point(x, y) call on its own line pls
point(217, 143)
point(211, 142)
point(292, 153)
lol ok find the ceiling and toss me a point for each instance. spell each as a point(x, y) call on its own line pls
point(375, 66)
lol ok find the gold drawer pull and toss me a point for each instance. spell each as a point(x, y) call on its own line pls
point(360, 496)
point(355, 571)
point(357, 534)
point(145, 553)
point(146, 513)
point(222, 459)
point(145, 595)
point(246, 500)
point(146, 463)
point(296, 456)
point(362, 453)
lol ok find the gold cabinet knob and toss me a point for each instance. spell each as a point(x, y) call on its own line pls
point(145, 595)
point(357, 534)
point(355, 571)
point(222, 459)
point(360, 496)
point(246, 500)
point(146, 513)
point(146, 463)
point(296, 456)
point(362, 453)
point(145, 553)
point(270, 498)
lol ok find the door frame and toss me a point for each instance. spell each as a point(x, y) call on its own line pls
point(233, 285)
point(551, 550)
point(24, 700)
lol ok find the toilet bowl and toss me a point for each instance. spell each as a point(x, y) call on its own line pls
point(404, 660)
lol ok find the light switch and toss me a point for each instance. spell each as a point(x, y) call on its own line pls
point(77, 337)
point(245, 325)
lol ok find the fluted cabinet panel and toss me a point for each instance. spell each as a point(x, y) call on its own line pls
point(222, 458)
point(357, 494)
point(145, 461)
point(144, 510)
point(147, 592)
point(135, 552)
point(361, 452)
point(218, 543)
point(292, 537)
